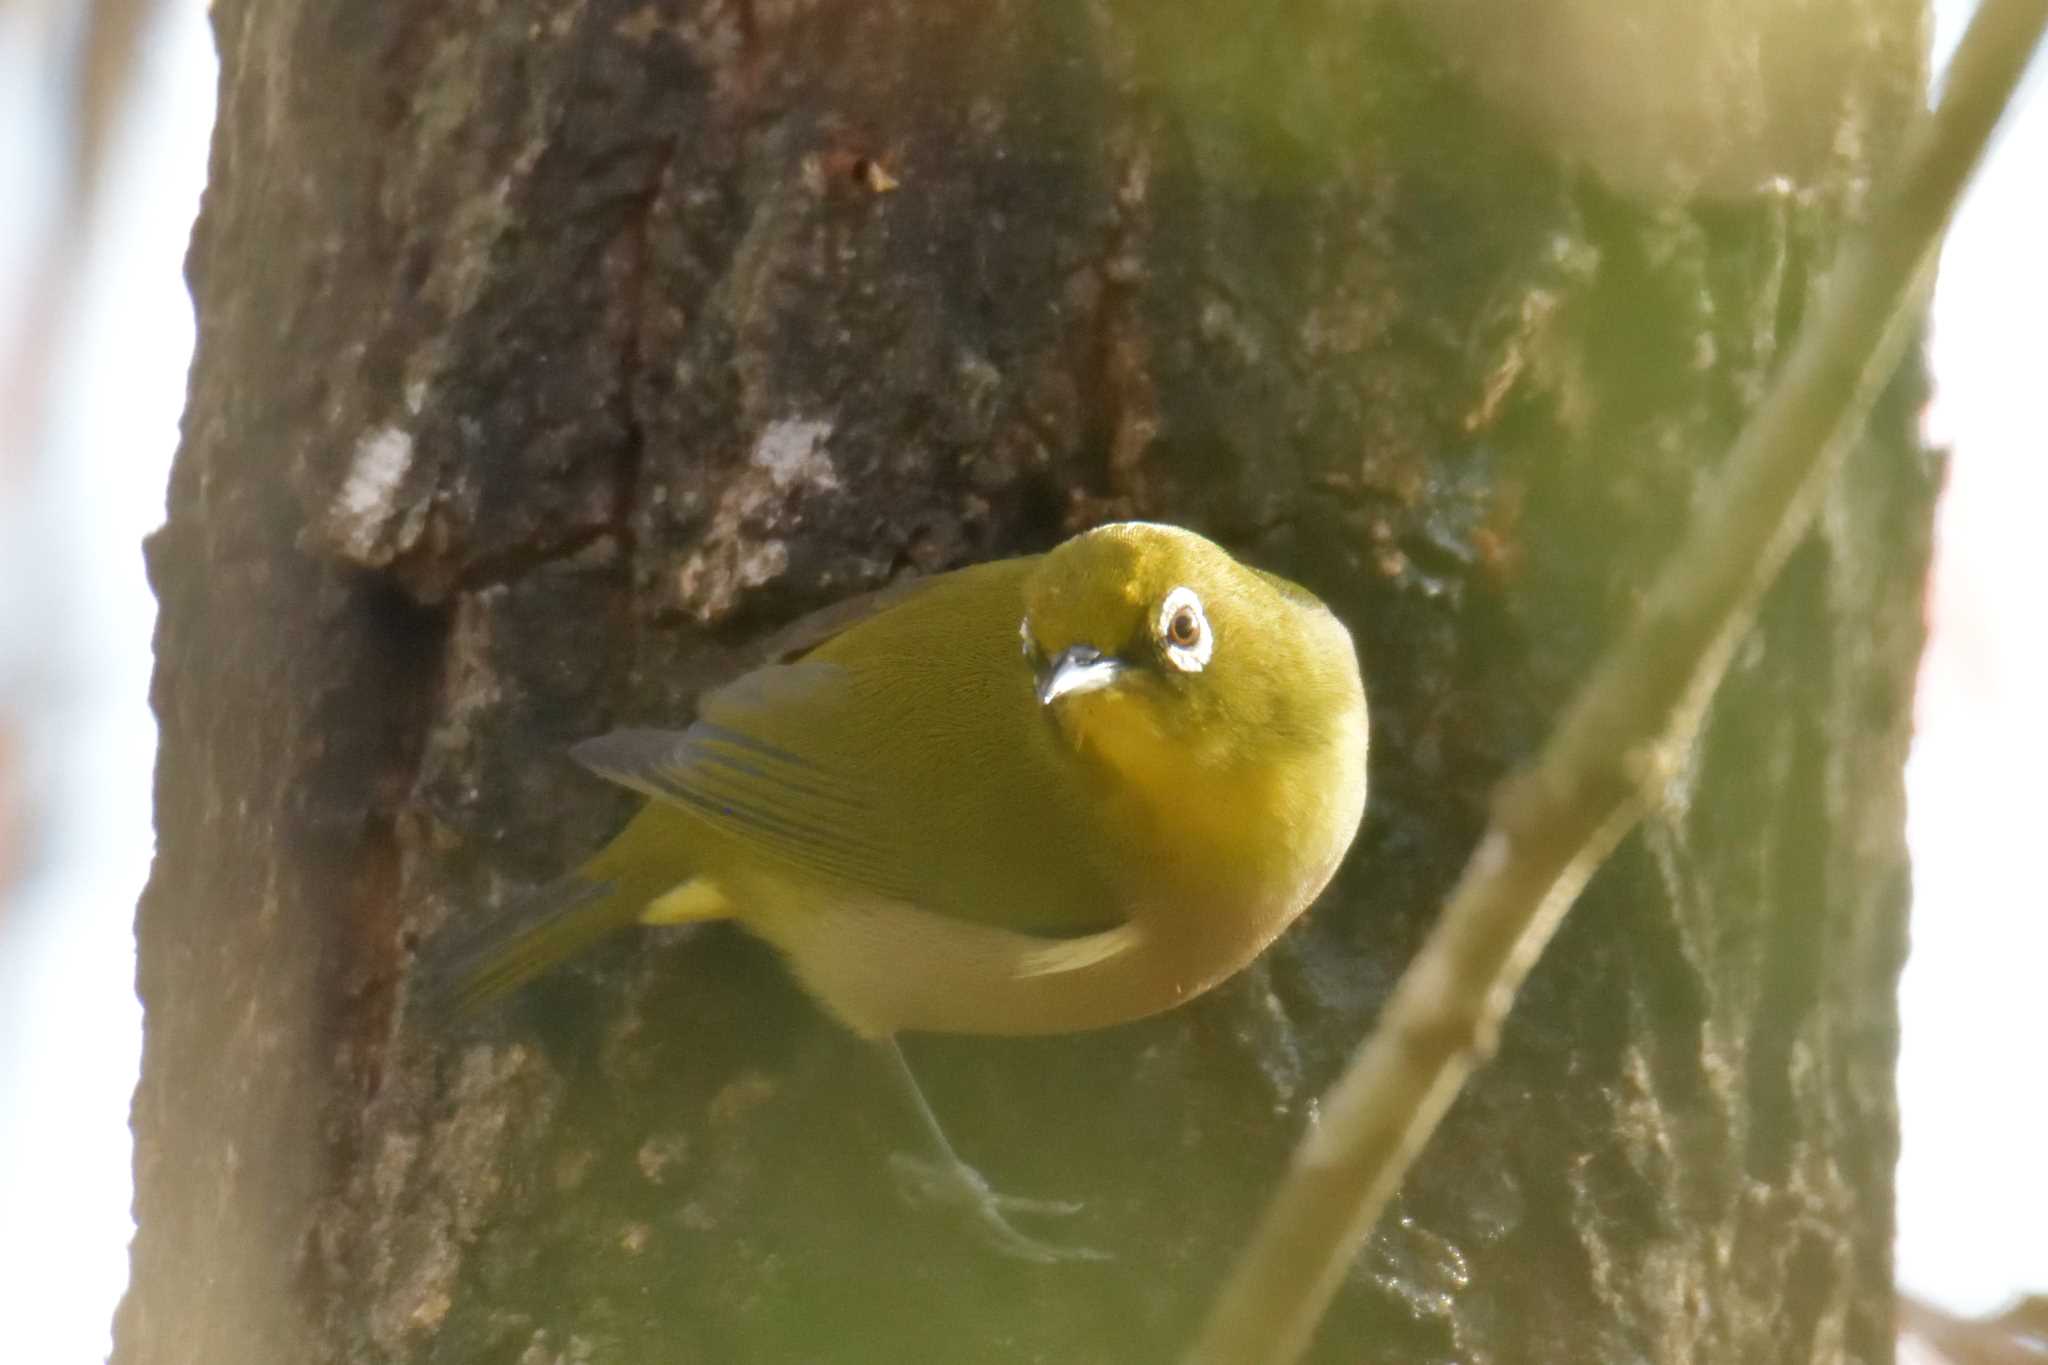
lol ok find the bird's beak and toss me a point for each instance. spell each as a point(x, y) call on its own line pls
point(1080, 668)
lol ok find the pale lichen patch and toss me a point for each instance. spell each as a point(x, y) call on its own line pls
point(658, 1154)
point(746, 545)
point(374, 517)
point(433, 1184)
point(792, 451)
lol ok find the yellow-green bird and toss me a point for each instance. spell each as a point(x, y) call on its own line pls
point(1037, 795)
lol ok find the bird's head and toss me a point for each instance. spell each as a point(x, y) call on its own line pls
point(1154, 649)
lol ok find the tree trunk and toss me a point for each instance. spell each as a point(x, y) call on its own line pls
point(551, 354)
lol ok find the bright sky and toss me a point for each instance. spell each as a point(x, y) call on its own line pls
point(75, 630)
point(1972, 1194)
point(1973, 1176)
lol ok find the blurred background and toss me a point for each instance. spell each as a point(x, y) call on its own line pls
point(105, 111)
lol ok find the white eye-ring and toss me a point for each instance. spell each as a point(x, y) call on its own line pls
point(1184, 632)
point(1029, 646)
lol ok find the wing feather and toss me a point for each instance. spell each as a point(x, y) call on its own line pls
point(799, 809)
point(904, 756)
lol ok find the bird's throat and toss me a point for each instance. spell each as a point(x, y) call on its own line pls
point(1214, 825)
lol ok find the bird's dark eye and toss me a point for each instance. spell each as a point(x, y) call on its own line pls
point(1185, 640)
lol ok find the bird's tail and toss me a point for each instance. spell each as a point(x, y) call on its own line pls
point(558, 922)
point(638, 878)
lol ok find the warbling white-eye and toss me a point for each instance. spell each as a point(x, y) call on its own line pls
point(1031, 796)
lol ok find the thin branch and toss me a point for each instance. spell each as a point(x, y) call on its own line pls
point(1554, 823)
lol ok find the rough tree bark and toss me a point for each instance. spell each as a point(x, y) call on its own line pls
point(551, 353)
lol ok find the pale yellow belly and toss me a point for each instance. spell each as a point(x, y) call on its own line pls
point(885, 968)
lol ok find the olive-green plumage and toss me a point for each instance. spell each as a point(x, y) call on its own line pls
point(1035, 795)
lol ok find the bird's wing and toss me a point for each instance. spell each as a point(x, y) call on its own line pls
point(807, 632)
point(906, 757)
point(802, 809)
